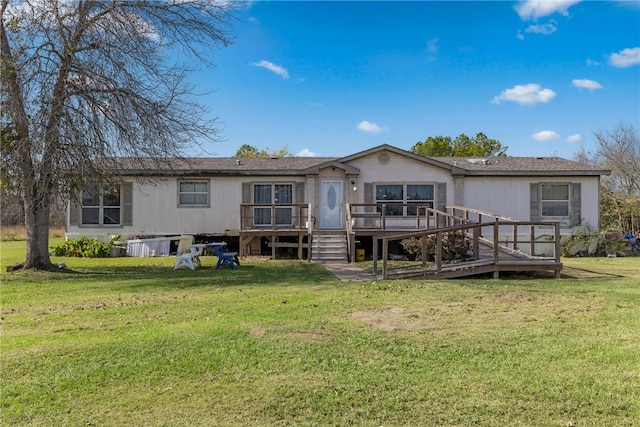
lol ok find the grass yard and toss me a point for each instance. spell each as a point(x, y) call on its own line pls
point(133, 342)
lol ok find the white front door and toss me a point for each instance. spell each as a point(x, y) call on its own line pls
point(331, 204)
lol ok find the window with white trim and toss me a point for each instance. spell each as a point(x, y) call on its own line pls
point(554, 200)
point(395, 196)
point(193, 193)
point(101, 206)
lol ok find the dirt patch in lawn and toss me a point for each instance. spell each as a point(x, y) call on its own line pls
point(306, 335)
point(482, 312)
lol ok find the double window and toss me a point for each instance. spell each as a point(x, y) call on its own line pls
point(102, 206)
point(554, 200)
point(405, 199)
point(274, 195)
point(193, 193)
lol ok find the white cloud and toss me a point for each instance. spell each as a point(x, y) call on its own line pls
point(544, 29)
point(432, 46)
point(625, 58)
point(306, 153)
point(531, 10)
point(575, 138)
point(369, 127)
point(432, 49)
point(528, 94)
point(586, 84)
point(545, 135)
point(276, 69)
point(591, 63)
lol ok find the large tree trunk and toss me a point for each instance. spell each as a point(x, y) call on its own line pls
point(37, 225)
point(85, 81)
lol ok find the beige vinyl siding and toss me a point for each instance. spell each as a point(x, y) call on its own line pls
point(511, 195)
point(155, 207)
point(400, 170)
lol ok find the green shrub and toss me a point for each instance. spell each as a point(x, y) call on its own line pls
point(84, 247)
point(594, 243)
point(455, 247)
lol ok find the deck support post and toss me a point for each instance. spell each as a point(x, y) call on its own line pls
point(374, 252)
point(352, 245)
point(438, 251)
point(496, 236)
point(383, 218)
point(274, 241)
point(476, 242)
point(532, 239)
point(558, 247)
point(385, 256)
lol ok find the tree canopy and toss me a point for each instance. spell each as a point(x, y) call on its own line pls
point(88, 80)
point(462, 146)
point(247, 150)
point(619, 151)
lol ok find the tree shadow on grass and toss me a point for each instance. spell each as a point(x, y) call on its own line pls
point(164, 276)
point(583, 273)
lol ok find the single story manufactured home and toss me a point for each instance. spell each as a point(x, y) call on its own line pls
point(289, 206)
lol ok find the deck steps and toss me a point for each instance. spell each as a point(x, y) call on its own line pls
point(329, 248)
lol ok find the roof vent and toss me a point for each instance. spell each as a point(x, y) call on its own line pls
point(238, 162)
point(478, 161)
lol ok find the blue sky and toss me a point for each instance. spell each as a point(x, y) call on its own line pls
point(334, 78)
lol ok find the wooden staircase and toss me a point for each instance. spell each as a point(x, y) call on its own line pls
point(329, 249)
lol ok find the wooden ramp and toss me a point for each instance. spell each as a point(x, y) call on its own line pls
point(485, 256)
point(507, 262)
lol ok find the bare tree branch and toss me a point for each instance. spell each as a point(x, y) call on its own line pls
point(85, 80)
point(619, 150)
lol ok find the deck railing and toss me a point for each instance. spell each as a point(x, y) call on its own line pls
point(262, 216)
point(480, 235)
point(529, 236)
point(380, 217)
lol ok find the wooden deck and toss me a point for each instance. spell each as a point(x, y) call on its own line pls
point(484, 255)
point(507, 261)
point(291, 228)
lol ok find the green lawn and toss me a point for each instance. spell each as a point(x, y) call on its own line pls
point(133, 342)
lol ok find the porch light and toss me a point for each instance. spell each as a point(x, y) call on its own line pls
point(353, 184)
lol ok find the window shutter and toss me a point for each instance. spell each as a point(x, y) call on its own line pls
point(127, 204)
point(369, 198)
point(74, 211)
point(442, 197)
point(575, 208)
point(368, 192)
point(441, 201)
point(534, 202)
point(246, 192)
point(299, 191)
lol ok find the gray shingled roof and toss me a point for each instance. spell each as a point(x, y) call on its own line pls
point(519, 166)
point(219, 165)
point(491, 166)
